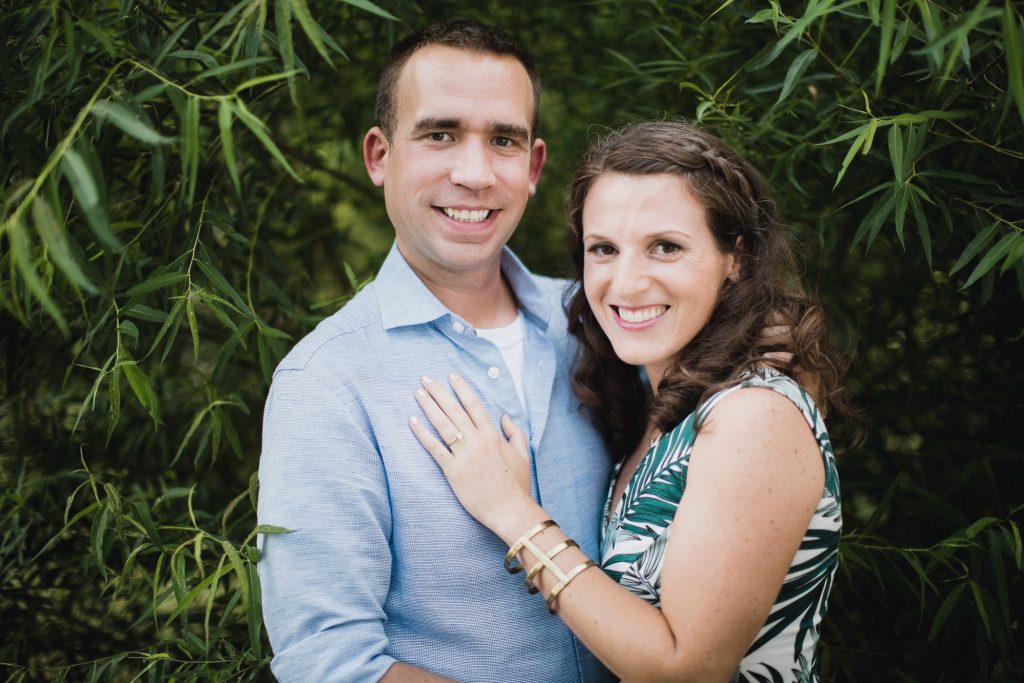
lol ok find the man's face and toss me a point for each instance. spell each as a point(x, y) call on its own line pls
point(460, 165)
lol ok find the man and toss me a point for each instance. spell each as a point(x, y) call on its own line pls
point(385, 576)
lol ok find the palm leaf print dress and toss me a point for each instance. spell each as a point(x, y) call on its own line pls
point(634, 540)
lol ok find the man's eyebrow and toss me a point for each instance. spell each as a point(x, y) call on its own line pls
point(436, 123)
point(511, 130)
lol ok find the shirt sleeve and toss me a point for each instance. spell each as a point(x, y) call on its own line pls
point(325, 582)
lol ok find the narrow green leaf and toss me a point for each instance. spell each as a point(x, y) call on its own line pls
point(885, 42)
point(267, 331)
point(271, 530)
point(900, 203)
point(113, 400)
point(190, 597)
point(259, 130)
point(192, 110)
point(146, 518)
point(206, 59)
point(948, 604)
point(224, 119)
point(850, 154)
point(193, 327)
point(54, 237)
point(142, 389)
point(795, 71)
point(222, 285)
point(980, 602)
point(170, 321)
point(923, 230)
point(309, 26)
point(129, 122)
point(283, 23)
point(896, 153)
point(231, 67)
point(814, 11)
point(980, 241)
point(1014, 58)
point(372, 8)
point(266, 78)
point(992, 257)
point(155, 282)
point(171, 41)
point(87, 193)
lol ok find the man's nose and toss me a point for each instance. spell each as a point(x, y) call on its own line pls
point(472, 167)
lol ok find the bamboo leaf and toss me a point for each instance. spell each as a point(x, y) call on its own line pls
point(231, 67)
point(1014, 58)
point(896, 153)
point(193, 326)
point(129, 122)
point(947, 607)
point(992, 257)
point(888, 20)
point(87, 193)
point(309, 26)
point(979, 242)
point(222, 285)
point(814, 11)
point(113, 400)
point(923, 230)
point(142, 389)
point(795, 71)
point(54, 237)
point(850, 154)
point(283, 23)
point(259, 130)
point(155, 282)
point(21, 257)
point(224, 119)
point(371, 8)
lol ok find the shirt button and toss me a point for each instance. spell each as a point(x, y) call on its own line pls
point(493, 372)
point(458, 327)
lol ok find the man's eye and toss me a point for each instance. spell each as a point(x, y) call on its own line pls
point(504, 141)
point(440, 137)
point(665, 248)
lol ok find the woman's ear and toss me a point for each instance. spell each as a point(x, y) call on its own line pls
point(735, 268)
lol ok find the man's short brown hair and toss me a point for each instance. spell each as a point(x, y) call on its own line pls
point(468, 35)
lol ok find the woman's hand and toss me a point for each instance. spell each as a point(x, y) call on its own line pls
point(489, 473)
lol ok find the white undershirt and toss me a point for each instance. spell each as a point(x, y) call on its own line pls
point(511, 341)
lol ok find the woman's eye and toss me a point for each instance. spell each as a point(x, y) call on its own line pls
point(602, 250)
point(665, 248)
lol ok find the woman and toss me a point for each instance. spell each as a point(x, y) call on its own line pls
point(722, 525)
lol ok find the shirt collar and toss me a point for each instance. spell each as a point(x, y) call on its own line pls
point(404, 299)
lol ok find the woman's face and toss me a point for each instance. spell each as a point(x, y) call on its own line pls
point(652, 269)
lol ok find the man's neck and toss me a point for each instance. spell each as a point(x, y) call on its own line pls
point(484, 299)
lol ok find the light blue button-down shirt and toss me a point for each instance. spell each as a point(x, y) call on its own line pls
point(384, 564)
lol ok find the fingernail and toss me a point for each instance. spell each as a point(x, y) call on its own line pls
point(413, 421)
point(427, 379)
point(421, 393)
point(453, 377)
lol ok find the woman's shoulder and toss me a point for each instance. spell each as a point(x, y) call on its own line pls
point(780, 384)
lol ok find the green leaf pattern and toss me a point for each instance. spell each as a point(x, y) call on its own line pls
point(634, 540)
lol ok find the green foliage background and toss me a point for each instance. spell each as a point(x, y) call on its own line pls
point(183, 196)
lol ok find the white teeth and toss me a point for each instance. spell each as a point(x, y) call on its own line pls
point(468, 215)
point(641, 315)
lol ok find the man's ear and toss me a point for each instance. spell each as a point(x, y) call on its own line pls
point(375, 155)
point(735, 268)
point(538, 155)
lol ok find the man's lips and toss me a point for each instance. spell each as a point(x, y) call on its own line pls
point(467, 215)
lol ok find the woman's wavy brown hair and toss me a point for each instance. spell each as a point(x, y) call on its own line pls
point(767, 292)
